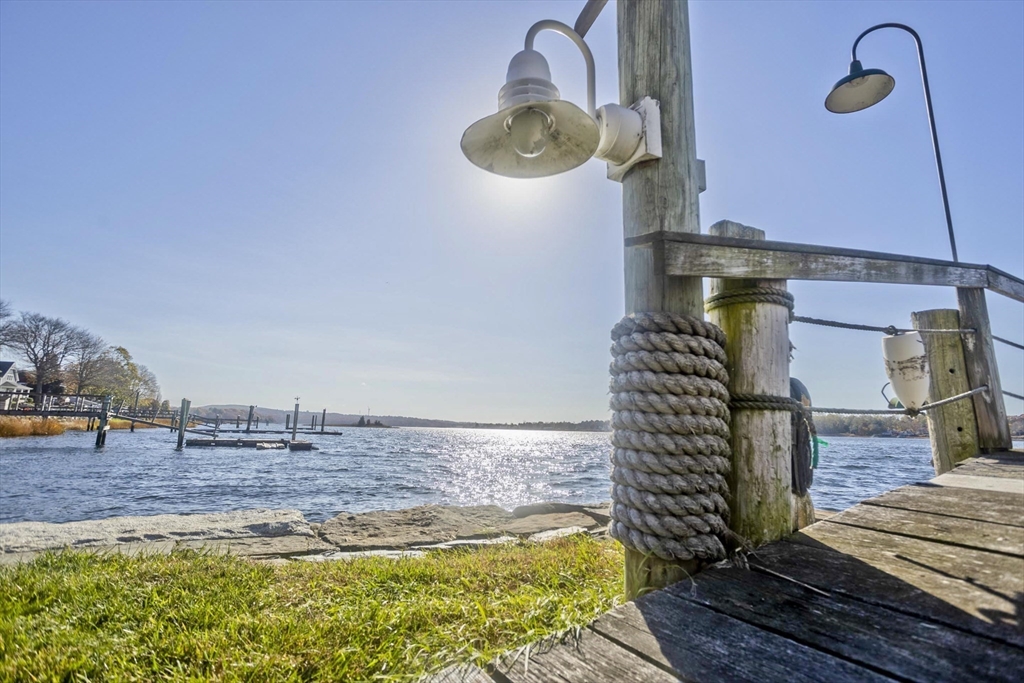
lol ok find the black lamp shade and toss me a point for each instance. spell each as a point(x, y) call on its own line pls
point(860, 90)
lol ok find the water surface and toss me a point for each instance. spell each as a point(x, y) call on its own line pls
point(63, 478)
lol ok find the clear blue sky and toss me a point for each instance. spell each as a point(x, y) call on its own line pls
point(263, 200)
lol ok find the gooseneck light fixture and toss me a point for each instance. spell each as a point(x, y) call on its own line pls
point(863, 88)
point(535, 133)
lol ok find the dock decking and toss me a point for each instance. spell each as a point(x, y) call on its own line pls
point(923, 583)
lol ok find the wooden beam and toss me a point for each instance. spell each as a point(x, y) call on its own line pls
point(690, 255)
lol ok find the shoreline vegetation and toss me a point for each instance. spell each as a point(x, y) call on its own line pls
point(827, 425)
point(15, 426)
point(190, 615)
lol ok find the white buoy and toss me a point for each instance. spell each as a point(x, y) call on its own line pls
point(907, 368)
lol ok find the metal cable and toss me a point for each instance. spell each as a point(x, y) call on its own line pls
point(890, 329)
point(1013, 395)
point(905, 411)
point(1009, 343)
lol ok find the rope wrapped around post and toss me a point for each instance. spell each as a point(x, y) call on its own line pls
point(671, 436)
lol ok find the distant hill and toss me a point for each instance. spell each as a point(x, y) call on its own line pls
point(231, 412)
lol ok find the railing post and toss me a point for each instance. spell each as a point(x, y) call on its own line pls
point(757, 345)
point(952, 428)
point(980, 358)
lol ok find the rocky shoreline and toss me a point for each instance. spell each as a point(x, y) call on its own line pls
point(285, 535)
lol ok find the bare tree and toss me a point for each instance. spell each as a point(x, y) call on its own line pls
point(6, 313)
point(44, 342)
point(86, 368)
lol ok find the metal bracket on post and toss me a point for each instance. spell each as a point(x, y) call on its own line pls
point(650, 139)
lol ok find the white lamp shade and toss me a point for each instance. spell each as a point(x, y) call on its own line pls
point(570, 140)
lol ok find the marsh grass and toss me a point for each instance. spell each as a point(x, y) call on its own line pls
point(76, 616)
point(53, 426)
point(29, 426)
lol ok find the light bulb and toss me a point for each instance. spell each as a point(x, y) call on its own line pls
point(529, 131)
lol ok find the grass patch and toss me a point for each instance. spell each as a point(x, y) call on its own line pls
point(76, 616)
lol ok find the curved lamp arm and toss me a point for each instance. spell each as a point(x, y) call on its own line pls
point(931, 118)
point(588, 56)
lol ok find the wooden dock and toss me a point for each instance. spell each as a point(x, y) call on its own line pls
point(923, 583)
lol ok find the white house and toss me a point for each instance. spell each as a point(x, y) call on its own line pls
point(9, 384)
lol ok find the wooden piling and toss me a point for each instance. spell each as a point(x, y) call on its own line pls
point(323, 420)
point(952, 428)
point(295, 422)
point(248, 420)
point(101, 430)
point(186, 405)
point(654, 61)
point(757, 346)
point(287, 422)
point(980, 359)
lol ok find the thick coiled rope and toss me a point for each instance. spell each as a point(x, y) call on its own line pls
point(671, 436)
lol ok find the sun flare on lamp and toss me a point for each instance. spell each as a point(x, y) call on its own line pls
point(535, 133)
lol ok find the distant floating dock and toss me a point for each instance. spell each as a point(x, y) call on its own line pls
point(260, 444)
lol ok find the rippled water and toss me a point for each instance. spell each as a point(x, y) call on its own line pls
point(63, 478)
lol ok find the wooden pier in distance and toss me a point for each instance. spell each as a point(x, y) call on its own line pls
point(923, 583)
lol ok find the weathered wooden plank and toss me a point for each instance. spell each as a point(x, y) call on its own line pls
point(705, 256)
point(952, 428)
point(1007, 465)
point(701, 645)
point(882, 639)
point(984, 506)
point(1005, 284)
point(1004, 484)
point(459, 673)
point(757, 346)
point(980, 361)
point(590, 659)
point(1001, 538)
point(967, 589)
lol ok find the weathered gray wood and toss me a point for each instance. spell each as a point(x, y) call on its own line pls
point(707, 256)
point(248, 420)
point(973, 590)
point(757, 346)
point(982, 370)
point(1003, 465)
point(1003, 538)
point(1003, 283)
point(700, 644)
point(323, 420)
point(186, 405)
point(952, 428)
point(590, 659)
point(984, 506)
point(101, 430)
point(885, 640)
point(662, 194)
point(965, 481)
point(459, 673)
point(295, 421)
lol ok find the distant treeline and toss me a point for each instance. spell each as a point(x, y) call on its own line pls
point(887, 425)
point(585, 426)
